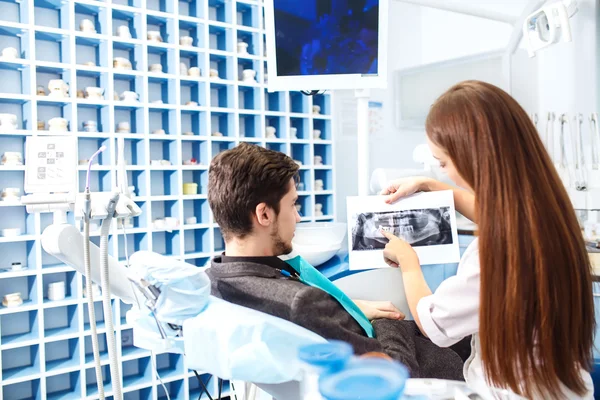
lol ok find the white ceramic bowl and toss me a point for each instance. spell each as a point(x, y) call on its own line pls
point(316, 255)
point(324, 234)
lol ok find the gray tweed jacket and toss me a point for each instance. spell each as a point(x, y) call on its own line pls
point(256, 283)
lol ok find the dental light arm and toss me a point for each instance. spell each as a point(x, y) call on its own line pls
point(549, 25)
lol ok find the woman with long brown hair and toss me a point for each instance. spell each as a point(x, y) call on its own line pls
point(523, 288)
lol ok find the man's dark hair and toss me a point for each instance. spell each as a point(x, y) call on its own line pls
point(242, 178)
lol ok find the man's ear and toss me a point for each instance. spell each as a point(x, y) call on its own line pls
point(264, 215)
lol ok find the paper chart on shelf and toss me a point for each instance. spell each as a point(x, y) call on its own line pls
point(427, 221)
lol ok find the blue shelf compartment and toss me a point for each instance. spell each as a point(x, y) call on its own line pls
point(221, 95)
point(52, 46)
point(26, 285)
point(326, 175)
point(275, 101)
point(169, 366)
point(15, 217)
point(250, 126)
point(192, 10)
point(130, 17)
point(192, 57)
point(162, 117)
point(165, 209)
point(197, 240)
point(167, 243)
point(20, 362)
point(299, 103)
point(161, 91)
point(198, 208)
point(281, 147)
point(249, 98)
point(135, 155)
point(87, 146)
point(199, 176)
point(194, 29)
point(102, 346)
point(138, 223)
point(211, 382)
point(220, 38)
point(302, 125)
point(218, 241)
point(194, 121)
point(252, 37)
point(136, 241)
point(27, 390)
point(301, 152)
point(163, 23)
point(15, 11)
point(280, 123)
point(200, 262)
point(61, 320)
point(14, 75)
point(128, 350)
point(136, 393)
point(62, 354)
point(23, 251)
point(326, 153)
point(19, 327)
point(51, 14)
point(131, 50)
point(224, 122)
point(176, 391)
point(192, 90)
point(91, 78)
point(95, 13)
point(96, 111)
point(99, 312)
point(137, 372)
point(124, 81)
point(92, 48)
point(248, 63)
point(160, 6)
point(224, 64)
point(67, 386)
point(127, 4)
point(23, 109)
point(305, 183)
point(71, 286)
point(195, 149)
point(326, 200)
point(323, 125)
point(91, 386)
point(164, 182)
point(16, 37)
point(306, 204)
point(163, 149)
point(100, 179)
point(219, 144)
point(134, 116)
point(163, 55)
point(220, 11)
point(323, 101)
point(137, 178)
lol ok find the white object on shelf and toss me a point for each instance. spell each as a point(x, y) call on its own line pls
point(191, 220)
point(14, 267)
point(123, 32)
point(242, 48)
point(58, 88)
point(10, 54)
point(270, 132)
point(154, 36)
point(214, 73)
point(293, 133)
point(90, 126)
point(11, 232)
point(40, 91)
point(129, 96)
point(12, 300)
point(11, 195)
point(96, 291)
point(156, 68)
point(87, 25)
point(318, 160)
point(316, 109)
point(12, 158)
point(95, 93)
point(122, 63)
point(319, 185)
point(123, 127)
point(190, 188)
point(318, 210)
point(8, 122)
point(316, 134)
point(217, 134)
point(159, 132)
point(56, 291)
point(58, 125)
point(249, 76)
point(187, 41)
point(183, 69)
point(194, 71)
point(191, 103)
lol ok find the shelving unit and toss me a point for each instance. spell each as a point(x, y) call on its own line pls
point(45, 346)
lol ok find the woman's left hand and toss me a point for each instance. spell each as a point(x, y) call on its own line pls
point(379, 309)
point(398, 253)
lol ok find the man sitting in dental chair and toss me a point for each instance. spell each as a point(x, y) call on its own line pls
point(252, 194)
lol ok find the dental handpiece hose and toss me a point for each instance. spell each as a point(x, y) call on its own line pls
point(115, 374)
point(89, 292)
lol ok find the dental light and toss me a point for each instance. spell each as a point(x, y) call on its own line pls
point(549, 25)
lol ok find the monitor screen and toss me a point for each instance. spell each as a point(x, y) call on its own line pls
point(326, 37)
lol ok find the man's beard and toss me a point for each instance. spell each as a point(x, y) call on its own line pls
point(279, 246)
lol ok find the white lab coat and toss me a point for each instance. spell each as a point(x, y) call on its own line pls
point(452, 313)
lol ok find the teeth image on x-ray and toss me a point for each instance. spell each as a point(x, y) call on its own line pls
point(426, 227)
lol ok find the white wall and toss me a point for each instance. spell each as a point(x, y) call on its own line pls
point(563, 78)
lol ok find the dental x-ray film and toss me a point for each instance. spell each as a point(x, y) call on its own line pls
point(427, 221)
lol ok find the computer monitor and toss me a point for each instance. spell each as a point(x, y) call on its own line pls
point(326, 44)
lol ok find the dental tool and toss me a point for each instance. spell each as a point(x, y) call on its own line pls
point(564, 168)
point(580, 162)
point(550, 136)
point(595, 135)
